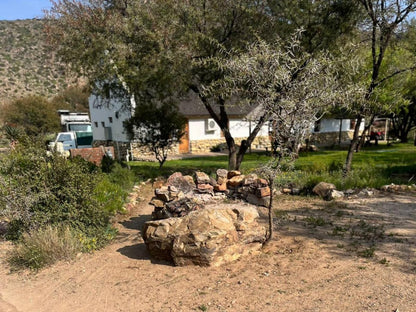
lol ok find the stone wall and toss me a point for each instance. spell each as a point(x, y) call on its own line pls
point(120, 148)
point(331, 138)
point(143, 153)
point(204, 146)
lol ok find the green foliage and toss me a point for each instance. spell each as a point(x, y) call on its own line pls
point(44, 247)
point(74, 98)
point(157, 127)
point(69, 201)
point(37, 190)
point(34, 114)
point(367, 252)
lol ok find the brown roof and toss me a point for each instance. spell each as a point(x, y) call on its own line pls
point(192, 106)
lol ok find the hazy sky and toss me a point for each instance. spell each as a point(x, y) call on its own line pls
point(22, 9)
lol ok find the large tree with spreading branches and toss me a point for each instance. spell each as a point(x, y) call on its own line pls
point(162, 49)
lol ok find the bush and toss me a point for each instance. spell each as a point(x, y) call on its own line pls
point(44, 247)
point(38, 190)
point(47, 195)
point(34, 114)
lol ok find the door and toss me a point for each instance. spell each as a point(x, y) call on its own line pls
point(184, 143)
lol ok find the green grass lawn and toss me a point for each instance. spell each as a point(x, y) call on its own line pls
point(372, 167)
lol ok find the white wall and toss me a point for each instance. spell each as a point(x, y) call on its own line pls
point(197, 130)
point(238, 129)
point(101, 111)
point(332, 125)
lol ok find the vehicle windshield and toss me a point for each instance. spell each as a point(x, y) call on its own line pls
point(64, 137)
point(79, 127)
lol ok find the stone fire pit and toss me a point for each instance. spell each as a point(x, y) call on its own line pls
point(193, 225)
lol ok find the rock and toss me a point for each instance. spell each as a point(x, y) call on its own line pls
point(295, 191)
point(334, 194)
point(235, 181)
point(212, 181)
point(286, 190)
point(205, 188)
point(366, 193)
point(173, 177)
point(349, 192)
point(184, 183)
point(263, 201)
point(163, 193)
point(162, 213)
point(157, 203)
point(222, 173)
point(323, 189)
point(158, 184)
point(262, 182)
point(250, 179)
point(263, 191)
point(208, 237)
point(202, 177)
point(222, 180)
point(4, 227)
point(220, 187)
point(233, 173)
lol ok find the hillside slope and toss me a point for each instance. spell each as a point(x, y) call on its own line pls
point(27, 64)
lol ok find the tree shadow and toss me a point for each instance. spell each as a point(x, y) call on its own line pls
point(379, 230)
point(139, 251)
point(136, 223)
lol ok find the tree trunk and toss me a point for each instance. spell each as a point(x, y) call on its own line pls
point(232, 156)
point(352, 147)
point(270, 232)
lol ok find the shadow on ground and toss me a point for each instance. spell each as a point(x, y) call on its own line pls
point(380, 229)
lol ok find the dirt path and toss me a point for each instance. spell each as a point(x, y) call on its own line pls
point(317, 262)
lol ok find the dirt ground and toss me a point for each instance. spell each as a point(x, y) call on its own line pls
point(350, 255)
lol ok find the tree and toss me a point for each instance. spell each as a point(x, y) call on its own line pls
point(383, 20)
point(160, 48)
point(34, 114)
point(74, 98)
point(292, 86)
point(157, 127)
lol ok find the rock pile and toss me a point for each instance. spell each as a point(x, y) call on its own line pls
point(183, 194)
point(328, 191)
point(395, 188)
point(208, 237)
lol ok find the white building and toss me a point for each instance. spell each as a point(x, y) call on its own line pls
point(202, 134)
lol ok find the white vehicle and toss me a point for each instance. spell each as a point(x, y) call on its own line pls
point(72, 139)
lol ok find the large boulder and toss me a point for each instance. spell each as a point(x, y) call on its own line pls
point(207, 237)
point(324, 189)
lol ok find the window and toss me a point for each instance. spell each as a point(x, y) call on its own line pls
point(110, 119)
point(64, 137)
point(103, 123)
point(96, 124)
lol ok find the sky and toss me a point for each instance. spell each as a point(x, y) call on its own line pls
point(22, 9)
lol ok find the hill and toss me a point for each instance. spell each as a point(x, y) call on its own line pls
point(27, 64)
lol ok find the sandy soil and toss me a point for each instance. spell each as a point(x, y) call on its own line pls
point(353, 255)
